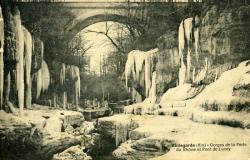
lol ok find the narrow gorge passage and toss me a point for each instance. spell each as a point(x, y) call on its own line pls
point(124, 80)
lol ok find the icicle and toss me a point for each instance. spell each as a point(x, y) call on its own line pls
point(38, 49)
point(188, 64)
point(202, 74)
point(1, 57)
point(139, 57)
point(64, 100)
point(187, 30)
point(27, 54)
point(137, 60)
point(42, 48)
point(188, 25)
point(62, 74)
point(75, 76)
point(121, 134)
point(182, 72)
point(148, 69)
point(152, 92)
point(197, 40)
point(43, 79)
point(181, 39)
point(39, 83)
point(147, 75)
point(216, 74)
point(77, 84)
point(45, 75)
point(181, 46)
point(20, 60)
point(193, 77)
point(129, 67)
point(206, 64)
point(27, 64)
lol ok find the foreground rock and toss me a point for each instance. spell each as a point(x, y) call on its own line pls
point(111, 132)
point(157, 136)
point(90, 114)
point(39, 134)
point(72, 153)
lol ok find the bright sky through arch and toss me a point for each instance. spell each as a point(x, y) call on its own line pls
point(100, 45)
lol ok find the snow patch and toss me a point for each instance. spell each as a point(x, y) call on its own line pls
point(220, 91)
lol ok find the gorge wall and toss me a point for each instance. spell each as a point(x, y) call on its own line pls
point(223, 41)
point(195, 58)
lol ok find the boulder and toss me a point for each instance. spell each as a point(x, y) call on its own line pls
point(142, 149)
point(37, 135)
point(72, 153)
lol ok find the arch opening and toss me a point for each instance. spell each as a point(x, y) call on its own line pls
point(72, 31)
point(104, 47)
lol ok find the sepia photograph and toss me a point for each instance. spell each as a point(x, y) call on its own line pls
point(124, 79)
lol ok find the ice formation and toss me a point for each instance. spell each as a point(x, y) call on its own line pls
point(148, 72)
point(218, 94)
point(129, 67)
point(27, 54)
point(216, 75)
point(140, 67)
point(27, 65)
point(75, 75)
point(64, 99)
point(43, 79)
point(121, 133)
point(38, 49)
point(137, 62)
point(62, 74)
point(197, 40)
point(121, 125)
point(20, 60)
point(1, 56)
point(152, 92)
point(188, 31)
point(181, 39)
point(221, 91)
point(193, 76)
point(62, 81)
point(182, 72)
point(201, 75)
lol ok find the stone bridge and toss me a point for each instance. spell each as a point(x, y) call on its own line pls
point(150, 19)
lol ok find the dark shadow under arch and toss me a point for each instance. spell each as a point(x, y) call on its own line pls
point(135, 23)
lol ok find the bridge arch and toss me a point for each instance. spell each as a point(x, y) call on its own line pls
point(135, 23)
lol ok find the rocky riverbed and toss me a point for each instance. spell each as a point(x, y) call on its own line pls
point(158, 137)
point(40, 133)
point(67, 135)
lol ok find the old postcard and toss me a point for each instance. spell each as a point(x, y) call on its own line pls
point(124, 80)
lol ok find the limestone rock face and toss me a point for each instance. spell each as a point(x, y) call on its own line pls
point(112, 131)
point(168, 62)
point(108, 125)
point(224, 37)
point(39, 132)
point(225, 32)
point(223, 44)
